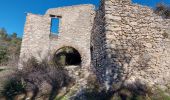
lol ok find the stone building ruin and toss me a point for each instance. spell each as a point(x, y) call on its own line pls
point(118, 41)
point(74, 31)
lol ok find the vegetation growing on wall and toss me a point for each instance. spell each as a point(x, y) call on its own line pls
point(162, 10)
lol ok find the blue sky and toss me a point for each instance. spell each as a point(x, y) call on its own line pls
point(12, 12)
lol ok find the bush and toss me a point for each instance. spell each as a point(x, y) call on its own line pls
point(159, 94)
point(3, 54)
point(162, 10)
point(36, 73)
point(135, 91)
point(9, 46)
point(13, 87)
point(42, 78)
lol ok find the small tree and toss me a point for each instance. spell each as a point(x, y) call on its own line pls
point(9, 47)
point(3, 54)
point(162, 10)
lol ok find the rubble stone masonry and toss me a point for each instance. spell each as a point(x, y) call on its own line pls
point(119, 41)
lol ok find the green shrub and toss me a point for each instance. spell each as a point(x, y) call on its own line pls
point(13, 87)
point(162, 10)
point(36, 72)
point(1, 70)
point(125, 93)
point(3, 54)
point(9, 46)
point(159, 94)
point(32, 78)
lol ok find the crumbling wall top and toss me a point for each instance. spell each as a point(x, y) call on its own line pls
point(119, 1)
point(61, 10)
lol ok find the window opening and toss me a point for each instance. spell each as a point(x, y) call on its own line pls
point(55, 21)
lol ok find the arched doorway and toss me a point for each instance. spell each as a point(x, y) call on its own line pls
point(66, 56)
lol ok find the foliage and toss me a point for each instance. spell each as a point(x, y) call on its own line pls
point(159, 94)
point(93, 83)
point(13, 87)
point(35, 73)
point(3, 54)
point(1, 70)
point(162, 10)
point(9, 46)
point(134, 91)
point(124, 93)
point(33, 76)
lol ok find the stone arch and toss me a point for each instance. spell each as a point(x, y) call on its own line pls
point(83, 50)
point(67, 55)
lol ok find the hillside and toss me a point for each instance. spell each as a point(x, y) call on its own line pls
point(9, 47)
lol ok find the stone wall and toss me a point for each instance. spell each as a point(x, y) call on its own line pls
point(74, 31)
point(36, 37)
point(122, 42)
point(136, 44)
point(98, 46)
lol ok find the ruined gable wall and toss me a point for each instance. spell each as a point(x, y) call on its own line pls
point(74, 31)
point(136, 43)
point(127, 40)
point(35, 40)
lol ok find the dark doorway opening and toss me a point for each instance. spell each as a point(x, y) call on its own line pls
point(66, 56)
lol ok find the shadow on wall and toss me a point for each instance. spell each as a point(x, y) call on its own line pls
point(125, 60)
point(115, 65)
point(98, 49)
point(135, 91)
